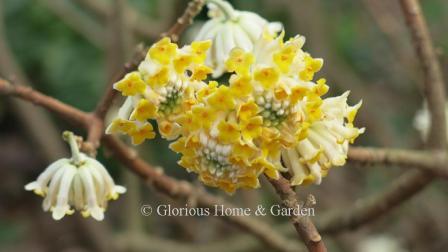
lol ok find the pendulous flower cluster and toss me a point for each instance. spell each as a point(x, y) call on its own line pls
point(79, 182)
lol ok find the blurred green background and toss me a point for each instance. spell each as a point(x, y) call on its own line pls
point(70, 49)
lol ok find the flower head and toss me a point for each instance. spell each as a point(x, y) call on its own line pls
point(79, 182)
point(160, 90)
point(270, 118)
point(229, 28)
point(215, 148)
point(241, 128)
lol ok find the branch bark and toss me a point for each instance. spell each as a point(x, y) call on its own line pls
point(193, 9)
point(303, 225)
point(431, 161)
point(434, 87)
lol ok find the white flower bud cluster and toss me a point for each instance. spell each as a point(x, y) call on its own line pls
point(229, 28)
point(171, 96)
point(80, 182)
point(273, 111)
point(216, 157)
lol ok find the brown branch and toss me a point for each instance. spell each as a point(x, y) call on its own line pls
point(434, 87)
point(432, 161)
point(26, 93)
point(174, 188)
point(193, 9)
point(371, 208)
point(109, 96)
point(303, 225)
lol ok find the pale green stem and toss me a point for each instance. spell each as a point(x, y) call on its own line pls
point(225, 7)
point(69, 137)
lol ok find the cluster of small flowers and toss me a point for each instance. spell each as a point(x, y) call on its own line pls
point(162, 89)
point(270, 111)
point(79, 182)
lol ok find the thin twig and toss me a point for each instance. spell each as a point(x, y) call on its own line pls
point(303, 224)
point(374, 206)
point(26, 93)
point(432, 161)
point(193, 9)
point(109, 96)
point(434, 87)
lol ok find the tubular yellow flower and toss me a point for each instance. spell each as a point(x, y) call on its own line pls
point(131, 85)
point(251, 128)
point(239, 61)
point(200, 72)
point(142, 133)
point(200, 49)
point(222, 99)
point(311, 67)
point(268, 77)
point(228, 132)
point(240, 86)
point(144, 111)
point(163, 51)
point(247, 110)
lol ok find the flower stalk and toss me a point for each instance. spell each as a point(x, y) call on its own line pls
point(70, 138)
point(226, 9)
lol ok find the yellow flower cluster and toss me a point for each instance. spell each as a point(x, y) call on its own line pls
point(160, 90)
point(270, 118)
point(217, 140)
